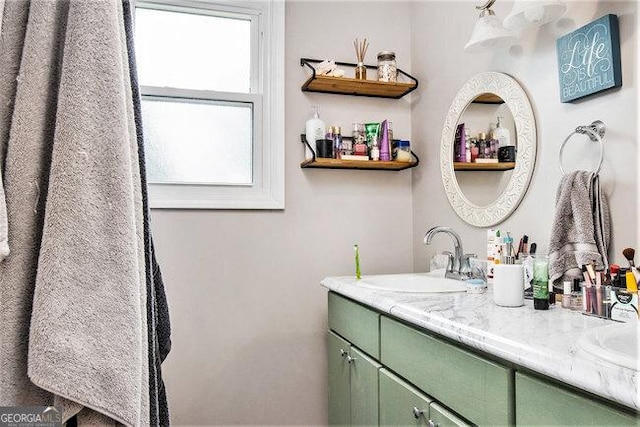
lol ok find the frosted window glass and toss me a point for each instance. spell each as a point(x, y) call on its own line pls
point(190, 51)
point(197, 142)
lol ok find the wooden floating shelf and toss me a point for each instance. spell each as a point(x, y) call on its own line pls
point(348, 86)
point(488, 98)
point(503, 166)
point(322, 163)
point(351, 86)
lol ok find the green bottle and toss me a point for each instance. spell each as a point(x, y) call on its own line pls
point(541, 282)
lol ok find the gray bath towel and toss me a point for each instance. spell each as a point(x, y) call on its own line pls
point(88, 337)
point(28, 82)
point(581, 229)
point(72, 291)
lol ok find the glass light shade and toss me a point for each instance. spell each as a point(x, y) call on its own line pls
point(489, 34)
point(528, 14)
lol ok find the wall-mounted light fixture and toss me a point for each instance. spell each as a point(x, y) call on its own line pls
point(528, 14)
point(489, 32)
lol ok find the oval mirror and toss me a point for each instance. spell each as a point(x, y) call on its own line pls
point(485, 192)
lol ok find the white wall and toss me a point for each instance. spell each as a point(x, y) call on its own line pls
point(248, 312)
point(443, 70)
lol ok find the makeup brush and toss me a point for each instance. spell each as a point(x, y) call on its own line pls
point(629, 254)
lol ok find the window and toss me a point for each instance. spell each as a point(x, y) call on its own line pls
point(212, 83)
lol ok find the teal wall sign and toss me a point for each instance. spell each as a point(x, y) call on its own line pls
point(589, 59)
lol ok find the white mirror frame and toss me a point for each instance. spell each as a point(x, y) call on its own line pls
point(516, 99)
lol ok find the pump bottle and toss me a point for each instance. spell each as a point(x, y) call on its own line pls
point(315, 130)
point(502, 135)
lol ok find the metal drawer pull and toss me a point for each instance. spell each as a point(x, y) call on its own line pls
point(343, 353)
point(351, 359)
point(417, 413)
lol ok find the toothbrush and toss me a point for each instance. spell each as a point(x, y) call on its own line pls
point(357, 251)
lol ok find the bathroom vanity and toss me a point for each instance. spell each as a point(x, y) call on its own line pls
point(457, 359)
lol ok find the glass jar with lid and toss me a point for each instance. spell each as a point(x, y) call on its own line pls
point(387, 69)
point(403, 153)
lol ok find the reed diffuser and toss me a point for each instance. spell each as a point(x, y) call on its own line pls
point(361, 51)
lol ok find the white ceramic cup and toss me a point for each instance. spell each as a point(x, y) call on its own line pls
point(508, 285)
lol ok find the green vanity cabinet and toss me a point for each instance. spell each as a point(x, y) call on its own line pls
point(401, 404)
point(539, 402)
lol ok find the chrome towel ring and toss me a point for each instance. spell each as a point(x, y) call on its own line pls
point(595, 132)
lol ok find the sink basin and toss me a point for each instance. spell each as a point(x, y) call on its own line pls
point(616, 343)
point(414, 282)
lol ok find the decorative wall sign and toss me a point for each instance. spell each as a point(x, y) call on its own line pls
point(589, 59)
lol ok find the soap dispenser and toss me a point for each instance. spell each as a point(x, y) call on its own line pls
point(506, 150)
point(315, 130)
point(502, 134)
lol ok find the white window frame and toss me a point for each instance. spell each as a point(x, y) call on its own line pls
point(267, 98)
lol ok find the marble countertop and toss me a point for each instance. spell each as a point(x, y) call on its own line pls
point(543, 341)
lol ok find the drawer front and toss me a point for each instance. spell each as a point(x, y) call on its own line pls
point(541, 403)
point(356, 323)
point(398, 400)
point(479, 390)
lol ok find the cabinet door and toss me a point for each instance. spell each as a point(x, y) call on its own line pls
point(339, 387)
point(364, 388)
point(541, 403)
point(441, 417)
point(400, 403)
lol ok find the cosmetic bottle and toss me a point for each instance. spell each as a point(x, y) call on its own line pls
point(460, 144)
point(502, 134)
point(474, 149)
point(385, 146)
point(329, 134)
point(482, 145)
point(337, 141)
point(576, 296)
point(541, 282)
point(493, 251)
point(375, 151)
point(494, 148)
point(315, 129)
point(468, 148)
point(566, 294)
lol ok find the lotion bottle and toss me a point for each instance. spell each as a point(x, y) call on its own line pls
point(502, 135)
point(315, 130)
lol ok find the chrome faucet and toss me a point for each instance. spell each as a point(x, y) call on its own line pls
point(458, 266)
